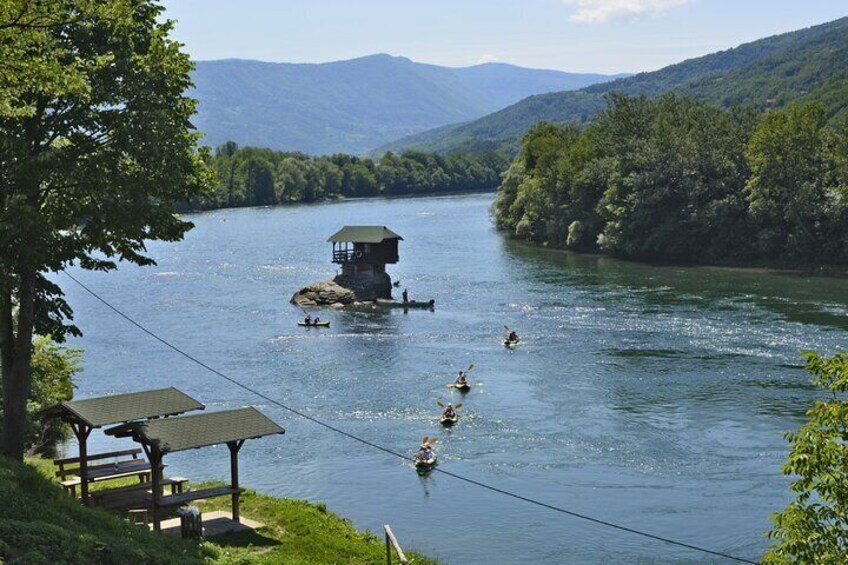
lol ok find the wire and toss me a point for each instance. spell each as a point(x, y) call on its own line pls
point(400, 455)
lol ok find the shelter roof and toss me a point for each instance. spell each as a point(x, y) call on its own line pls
point(364, 234)
point(199, 430)
point(128, 407)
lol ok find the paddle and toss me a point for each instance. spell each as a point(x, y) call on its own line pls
point(475, 383)
point(440, 403)
point(429, 441)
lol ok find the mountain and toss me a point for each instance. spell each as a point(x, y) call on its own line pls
point(353, 106)
point(810, 64)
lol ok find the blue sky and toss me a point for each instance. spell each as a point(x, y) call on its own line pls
point(570, 35)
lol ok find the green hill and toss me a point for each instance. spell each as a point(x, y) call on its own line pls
point(810, 64)
point(353, 106)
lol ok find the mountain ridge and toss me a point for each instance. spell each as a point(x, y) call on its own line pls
point(352, 105)
point(807, 64)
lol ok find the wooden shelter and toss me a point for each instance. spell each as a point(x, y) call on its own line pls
point(90, 413)
point(364, 249)
point(159, 437)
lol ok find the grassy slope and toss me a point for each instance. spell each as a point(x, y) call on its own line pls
point(39, 523)
point(810, 64)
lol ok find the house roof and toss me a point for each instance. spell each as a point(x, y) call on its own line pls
point(199, 430)
point(117, 408)
point(364, 234)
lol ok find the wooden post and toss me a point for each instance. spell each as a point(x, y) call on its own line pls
point(82, 432)
point(391, 541)
point(234, 478)
point(156, 474)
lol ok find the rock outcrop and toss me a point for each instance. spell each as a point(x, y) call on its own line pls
point(343, 291)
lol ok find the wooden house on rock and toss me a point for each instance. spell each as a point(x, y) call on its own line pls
point(363, 253)
point(364, 250)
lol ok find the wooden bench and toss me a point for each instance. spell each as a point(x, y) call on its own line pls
point(134, 496)
point(183, 497)
point(177, 485)
point(127, 463)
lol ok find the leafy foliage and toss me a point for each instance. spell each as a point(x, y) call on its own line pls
point(814, 527)
point(675, 179)
point(257, 177)
point(809, 65)
point(96, 147)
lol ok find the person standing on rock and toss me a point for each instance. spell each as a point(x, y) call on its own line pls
point(405, 296)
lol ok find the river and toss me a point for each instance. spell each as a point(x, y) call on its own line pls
point(652, 397)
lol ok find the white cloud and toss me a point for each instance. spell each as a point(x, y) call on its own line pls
point(600, 11)
point(487, 58)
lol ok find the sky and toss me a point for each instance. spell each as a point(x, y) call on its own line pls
point(606, 36)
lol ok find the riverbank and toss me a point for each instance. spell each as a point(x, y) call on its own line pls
point(39, 523)
point(761, 267)
point(341, 198)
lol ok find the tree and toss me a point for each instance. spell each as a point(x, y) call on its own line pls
point(260, 183)
point(228, 150)
point(814, 527)
point(786, 189)
point(93, 158)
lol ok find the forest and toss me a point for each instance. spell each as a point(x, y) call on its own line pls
point(250, 176)
point(674, 179)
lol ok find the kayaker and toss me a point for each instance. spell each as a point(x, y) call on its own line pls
point(317, 320)
point(462, 379)
point(449, 411)
point(513, 336)
point(405, 295)
point(308, 319)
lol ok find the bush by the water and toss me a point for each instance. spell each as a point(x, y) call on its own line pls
point(675, 179)
point(53, 370)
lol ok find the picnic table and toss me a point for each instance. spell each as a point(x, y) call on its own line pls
point(88, 414)
point(126, 463)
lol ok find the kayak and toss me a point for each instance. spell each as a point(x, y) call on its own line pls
point(425, 465)
point(314, 325)
point(447, 422)
point(462, 388)
point(510, 343)
point(409, 304)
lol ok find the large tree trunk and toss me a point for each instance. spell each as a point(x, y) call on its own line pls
point(17, 364)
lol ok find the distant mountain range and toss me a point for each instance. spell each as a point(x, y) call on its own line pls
point(806, 65)
point(354, 106)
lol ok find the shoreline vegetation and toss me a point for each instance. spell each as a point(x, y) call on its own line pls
point(251, 176)
point(673, 180)
point(41, 524)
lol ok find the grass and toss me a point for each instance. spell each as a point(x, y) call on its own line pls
point(299, 532)
point(39, 523)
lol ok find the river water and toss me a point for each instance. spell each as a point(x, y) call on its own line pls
point(652, 397)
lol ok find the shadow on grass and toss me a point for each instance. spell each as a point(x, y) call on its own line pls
point(244, 538)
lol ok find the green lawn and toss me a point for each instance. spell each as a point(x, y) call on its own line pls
point(39, 523)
